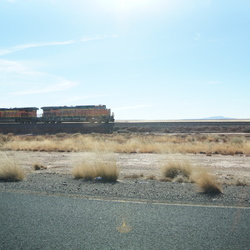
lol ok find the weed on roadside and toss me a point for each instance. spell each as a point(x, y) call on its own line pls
point(9, 169)
point(172, 169)
point(96, 167)
point(38, 166)
point(206, 181)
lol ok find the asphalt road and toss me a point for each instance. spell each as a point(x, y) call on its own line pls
point(29, 221)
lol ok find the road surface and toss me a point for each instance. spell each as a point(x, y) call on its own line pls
point(36, 221)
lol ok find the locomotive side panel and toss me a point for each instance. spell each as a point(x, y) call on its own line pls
point(22, 115)
point(6, 115)
point(53, 114)
point(90, 113)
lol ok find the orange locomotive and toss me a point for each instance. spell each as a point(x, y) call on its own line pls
point(58, 114)
point(21, 115)
point(87, 113)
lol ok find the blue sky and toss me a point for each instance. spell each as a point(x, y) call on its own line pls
point(144, 59)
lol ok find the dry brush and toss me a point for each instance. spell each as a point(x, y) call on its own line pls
point(130, 143)
point(9, 169)
point(184, 171)
point(96, 167)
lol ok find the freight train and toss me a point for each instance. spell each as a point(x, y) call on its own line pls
point(58, 114)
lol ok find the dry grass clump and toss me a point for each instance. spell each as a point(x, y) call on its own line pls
point(9, 169)
point(206, 182)
point(183, 171)
point(151, 177)
point(129, 143)
point(5, 138)
point(237, 140)
point(101, 167)
point(133, 176)
point(241, 182)
point(61, 143)
point(38, 166)
point(174, 169)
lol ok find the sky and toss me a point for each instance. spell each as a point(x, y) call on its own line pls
point(144, 59)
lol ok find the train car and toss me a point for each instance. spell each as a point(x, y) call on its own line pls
point(21, 115)
point(84, 113)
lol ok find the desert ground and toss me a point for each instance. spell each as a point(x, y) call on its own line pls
point(227, 168)
point(139, 159)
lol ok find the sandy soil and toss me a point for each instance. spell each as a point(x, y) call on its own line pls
point(228, 169)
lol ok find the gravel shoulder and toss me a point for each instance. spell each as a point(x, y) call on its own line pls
point(136, 190)
point(57, 179)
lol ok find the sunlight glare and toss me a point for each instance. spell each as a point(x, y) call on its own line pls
point(136, 5)
point(130, 5)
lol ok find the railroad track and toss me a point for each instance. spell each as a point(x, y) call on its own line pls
point(185, 126)
point(186, 123)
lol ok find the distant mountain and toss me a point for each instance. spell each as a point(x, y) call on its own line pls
point(218, 118)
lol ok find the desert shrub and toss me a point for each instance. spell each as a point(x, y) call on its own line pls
point(128, 143)
point(183, 171)
point(9, 169)
point(38, 166)
point(4, 139)
point(133, 176)
point(180, 179)
point(237, 140)
point(151, 177)
point(206, 181)
point(103, 167)
point(60, 135)
point(241, 182)
point(172, 169)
